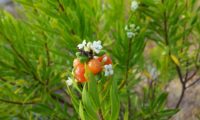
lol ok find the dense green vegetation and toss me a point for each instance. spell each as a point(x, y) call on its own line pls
point(37, 49)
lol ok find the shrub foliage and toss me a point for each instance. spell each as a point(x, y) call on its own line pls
point(38, 46)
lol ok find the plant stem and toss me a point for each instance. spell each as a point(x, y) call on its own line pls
point(127, 62)
point(197, 80)
point(125, 81)
point(7, 81)
point(126, 76)
point(48, 59)
point(61, 6)
point(47, 54)
point(101, 115)
point(18, 102)
point(22, 59)
point(178, 69)
point(183, 83)
point(182, 95)
point(191, 76)
point(62, 101)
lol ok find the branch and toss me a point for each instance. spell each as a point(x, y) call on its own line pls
point(183, 83)
point(100, 115)
point(197, 57)
point(178, 69)
point(182, 95)
point(13, 68)
point(197, 80)
point(187, 71)
point(47, 54)
point(125, 81)
point(60, 6)
point(184, 88)
point(18, 102)
point(48, 59)
point(60, 100)
point(126, 76)
point(191, 76)
point(7, 81)
point(127, 65)
point(22, 58)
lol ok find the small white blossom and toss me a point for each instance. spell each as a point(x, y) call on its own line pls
point(82, 45)
point(87, 48)
point(89, 44)
point(134, 5)
point(108, 70)
point(153, 72)
point(69, 81)
point(131, 30)
point(132, 26)
point(130, 34)
point(95, 57)
point(96, 46)
point(105, 58)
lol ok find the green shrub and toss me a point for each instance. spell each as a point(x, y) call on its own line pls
point(38, 46)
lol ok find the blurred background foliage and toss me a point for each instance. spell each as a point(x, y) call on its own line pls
point(38, 45)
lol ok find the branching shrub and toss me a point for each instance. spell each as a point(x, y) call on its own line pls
point(38, 47)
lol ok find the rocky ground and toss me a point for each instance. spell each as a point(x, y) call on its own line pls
point(9, 6)
point(190, 105)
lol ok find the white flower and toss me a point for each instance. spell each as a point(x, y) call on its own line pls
point(69, 81)
point(96, 46)
point(130, 34)
point(131, 30)
point(105, 58)
point(108, 70)
point(89, 44)
point(134, 5)
point(82, 45)
point(132, 26)
point(87, 48)
point(95, 57)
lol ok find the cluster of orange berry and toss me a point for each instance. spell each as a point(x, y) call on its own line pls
point(89, 56)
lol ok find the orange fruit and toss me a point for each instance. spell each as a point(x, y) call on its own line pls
point(79, 73)
point(94, 66)
point(76, 62)
point(105, 59)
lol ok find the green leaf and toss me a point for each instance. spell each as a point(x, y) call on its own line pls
point(74, 100)
point(43, 109)
point(88, 103)
point(167, 113)
point(160, 101)
point(83, 59)
point(114, 101)
point(126, 114)
point(175, 60)
point(81, 112)
point(92, 87)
